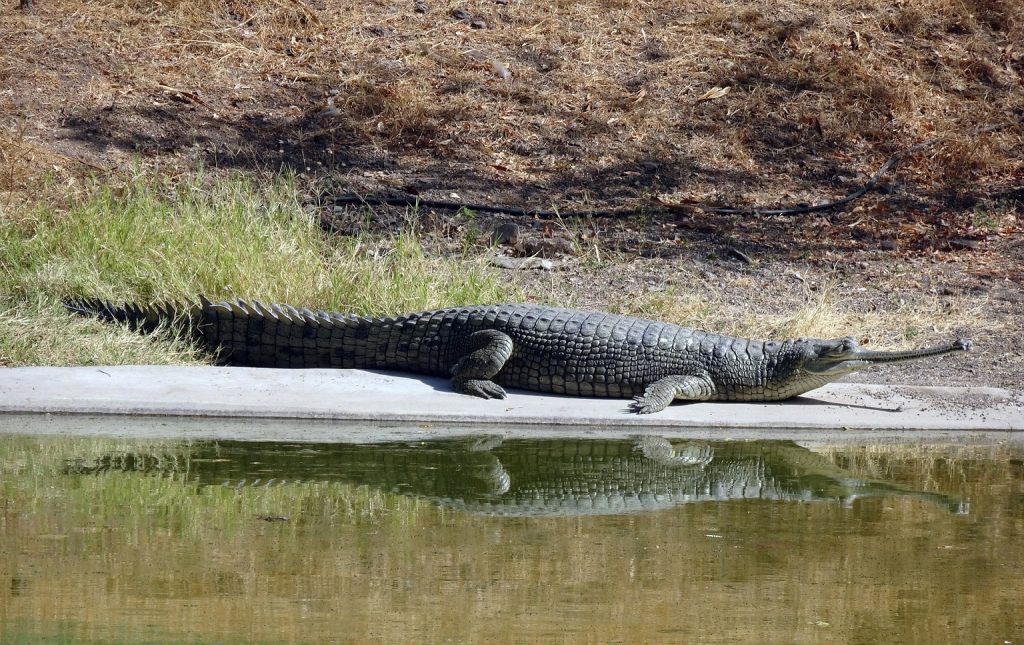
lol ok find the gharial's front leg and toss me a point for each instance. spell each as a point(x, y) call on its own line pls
point(660, 393)
point(488, 350)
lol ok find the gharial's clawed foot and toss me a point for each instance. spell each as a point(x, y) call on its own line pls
point(661, 450)
point(646, 404)
point(480, 387)
point(658, 395)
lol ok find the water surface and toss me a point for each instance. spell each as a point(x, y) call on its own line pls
point(473, 539)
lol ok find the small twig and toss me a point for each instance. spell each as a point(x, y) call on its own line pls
point(185, 94)
point(309, 12)
point(740, 255)
point(87, 163)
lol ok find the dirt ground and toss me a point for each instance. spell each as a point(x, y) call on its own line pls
point(658, 106)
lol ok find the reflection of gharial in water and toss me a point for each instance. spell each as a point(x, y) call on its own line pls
point(535, 477)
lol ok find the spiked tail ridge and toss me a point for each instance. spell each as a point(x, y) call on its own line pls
point(140, 318)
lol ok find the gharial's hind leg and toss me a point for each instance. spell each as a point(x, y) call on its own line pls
point(488, 351)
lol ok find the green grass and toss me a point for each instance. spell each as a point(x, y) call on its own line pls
point(34, 479)
point(151, 240)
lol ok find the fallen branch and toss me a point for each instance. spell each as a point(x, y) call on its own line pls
point(413, 201)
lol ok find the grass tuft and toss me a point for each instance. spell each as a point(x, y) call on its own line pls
point(823, 312)
point(153, 240)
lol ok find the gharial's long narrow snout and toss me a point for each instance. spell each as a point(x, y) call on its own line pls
point(847, 356)
point(959, 345)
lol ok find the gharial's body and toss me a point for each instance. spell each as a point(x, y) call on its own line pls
point(531, 477)
point(547, 349)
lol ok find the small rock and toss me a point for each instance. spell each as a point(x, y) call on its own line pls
point(522, 263)
point(478, 23)
point(461, 14)
point(501, 69)
point(888, 244)
point(507, 233)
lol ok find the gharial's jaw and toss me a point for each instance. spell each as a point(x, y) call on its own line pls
point(835, 358)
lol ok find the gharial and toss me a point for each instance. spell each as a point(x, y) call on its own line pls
point(533, 347)
point(531, 477)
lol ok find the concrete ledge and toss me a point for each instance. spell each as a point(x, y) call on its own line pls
point(376, 398)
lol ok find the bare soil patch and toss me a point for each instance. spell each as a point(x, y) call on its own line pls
point(572, 106)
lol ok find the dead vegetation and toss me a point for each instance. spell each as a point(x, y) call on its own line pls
point(552, 104)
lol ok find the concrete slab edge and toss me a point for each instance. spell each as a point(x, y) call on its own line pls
point(193, 428)
point(357, 396)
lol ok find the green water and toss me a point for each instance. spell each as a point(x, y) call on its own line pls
point(482, 539)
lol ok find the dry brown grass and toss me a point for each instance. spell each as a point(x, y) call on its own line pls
point(822, 307)
point(818, 92)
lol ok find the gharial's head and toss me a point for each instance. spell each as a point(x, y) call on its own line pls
point(829, 359)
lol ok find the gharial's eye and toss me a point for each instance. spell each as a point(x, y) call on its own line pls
point(849, 344)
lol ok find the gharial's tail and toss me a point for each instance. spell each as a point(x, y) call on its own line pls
point(257, 335)
point(140, 318)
